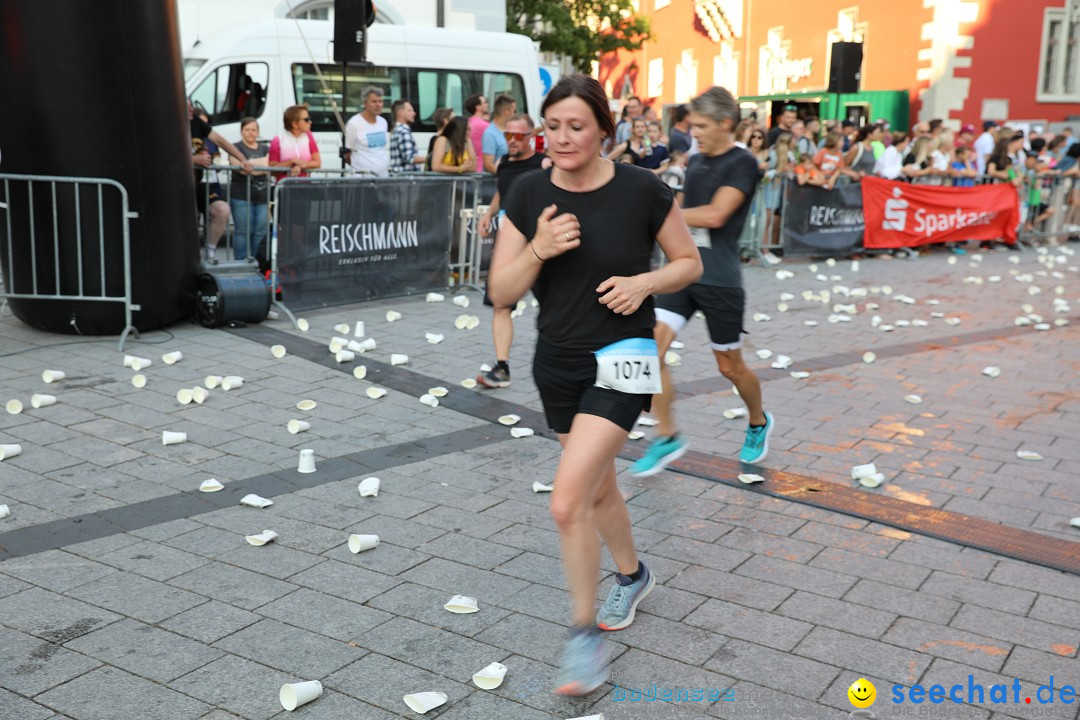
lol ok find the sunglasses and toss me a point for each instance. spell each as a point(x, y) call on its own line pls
point(515, 136)
point(756, 135)
point(307, 119)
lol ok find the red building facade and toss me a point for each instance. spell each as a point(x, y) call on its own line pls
point(962, 60)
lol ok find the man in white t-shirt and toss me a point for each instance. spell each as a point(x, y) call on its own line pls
point(367, 136)
point(984, 145)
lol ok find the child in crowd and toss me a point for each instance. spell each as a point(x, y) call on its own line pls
point(830, 159)
point(674, 173)
point(807, 173)
point(962, 169)
point(1037, 198)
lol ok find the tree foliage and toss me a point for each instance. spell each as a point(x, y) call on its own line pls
point(580, 29)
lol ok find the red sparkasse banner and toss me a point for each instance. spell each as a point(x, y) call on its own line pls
point(902, 215)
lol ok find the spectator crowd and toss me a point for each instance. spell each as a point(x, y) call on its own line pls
point(792, 149)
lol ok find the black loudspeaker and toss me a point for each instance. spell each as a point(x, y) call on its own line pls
point(221, 299)
point(846, 69)
point(352, 18)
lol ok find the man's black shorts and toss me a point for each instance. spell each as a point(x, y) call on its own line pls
point(723, 308)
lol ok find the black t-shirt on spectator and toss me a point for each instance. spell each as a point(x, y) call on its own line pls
point(679, 141)
point(619, 222)
point(510, 170)
point(909, 159)
point(200, 131)
point(655, 159)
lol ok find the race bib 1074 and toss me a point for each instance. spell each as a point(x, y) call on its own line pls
point(631, 366)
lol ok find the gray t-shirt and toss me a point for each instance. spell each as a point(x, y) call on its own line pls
point(705, 175)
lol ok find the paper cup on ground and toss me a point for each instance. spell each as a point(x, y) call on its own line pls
point(438, 391)
point(434, 297)
point(733, 413)
point(171, 358)
point(469, 383)
point(278, 351)
point(422, 702)
point(253, 500)
point(375, 392)
point(461, 300)
point(360, 543)
point(434, 338)
point(293, 695)
point(302, 325)
point(336, 344)
point(173, 438)
point(991, 371)
point(344, 356)
point(429, 400)
point(307, 461)
point(306, 405)
point(367, 345)
point(398, 359)
point(635, 435)
point(5, 511)
point(539, 487)
point(211, 485)
point(130, 360)
point(14, 407)
point(392, 316)
point(51, 376)
point(40, 401)
point(261, 539)
point(360, 372)
point(138, 380)
point(462, 605)
point(231, 382)
point(862, 471)
point(490, 677)
point(868, 357)
point(298, 426)
point(355, 346)
point(184, 396)
point(519, 432)
point(750, 478)
point(510, 419)
point(369, 487)
point(272, 315)
point(10, 450)
point(358, 331)
point(872, 481)
point(212, 381)
point(199, 394)
point(342, 328)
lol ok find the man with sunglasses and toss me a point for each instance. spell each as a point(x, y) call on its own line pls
point(520, 159)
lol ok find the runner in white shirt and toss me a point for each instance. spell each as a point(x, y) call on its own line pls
point(367, 136)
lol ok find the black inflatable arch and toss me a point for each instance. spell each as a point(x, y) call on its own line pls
point(94, 88)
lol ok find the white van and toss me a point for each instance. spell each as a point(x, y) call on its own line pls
point(264, 67)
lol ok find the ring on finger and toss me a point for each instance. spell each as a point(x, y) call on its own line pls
point(567, 236)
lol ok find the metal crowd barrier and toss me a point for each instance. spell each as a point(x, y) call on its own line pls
point(1050, 208)
point(464, 248)
point(219, 177)
point(91, 265)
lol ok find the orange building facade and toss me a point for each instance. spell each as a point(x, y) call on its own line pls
point(961, 60)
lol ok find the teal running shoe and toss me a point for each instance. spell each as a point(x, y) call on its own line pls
point(618, 610)
point(756, 445)
point(584, 665)
point(663, 450)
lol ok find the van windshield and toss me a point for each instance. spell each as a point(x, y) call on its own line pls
point(191, 65)
point(427, 88)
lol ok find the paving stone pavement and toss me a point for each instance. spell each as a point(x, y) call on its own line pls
point(124, 593)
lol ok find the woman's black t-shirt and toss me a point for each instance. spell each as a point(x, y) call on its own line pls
point(619, 223)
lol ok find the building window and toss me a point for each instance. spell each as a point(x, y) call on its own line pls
point(686, 77)
point(726, 68)
point(1059, 60)
point(656, 77)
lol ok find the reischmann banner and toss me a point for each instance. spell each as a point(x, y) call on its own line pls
point(819, 222)
point(344, 241)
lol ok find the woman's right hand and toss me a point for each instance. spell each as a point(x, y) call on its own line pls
point(554, 236)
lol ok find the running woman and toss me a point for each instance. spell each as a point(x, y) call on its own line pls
point(580, 234)
point(720, 182)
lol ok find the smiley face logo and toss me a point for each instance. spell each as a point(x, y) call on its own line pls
point(862, 693)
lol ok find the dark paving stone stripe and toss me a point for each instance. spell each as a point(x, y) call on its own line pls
point(836, 360)
point(945, 525)
point(81, 528)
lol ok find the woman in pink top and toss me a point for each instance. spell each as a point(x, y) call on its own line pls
point(295, 148)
